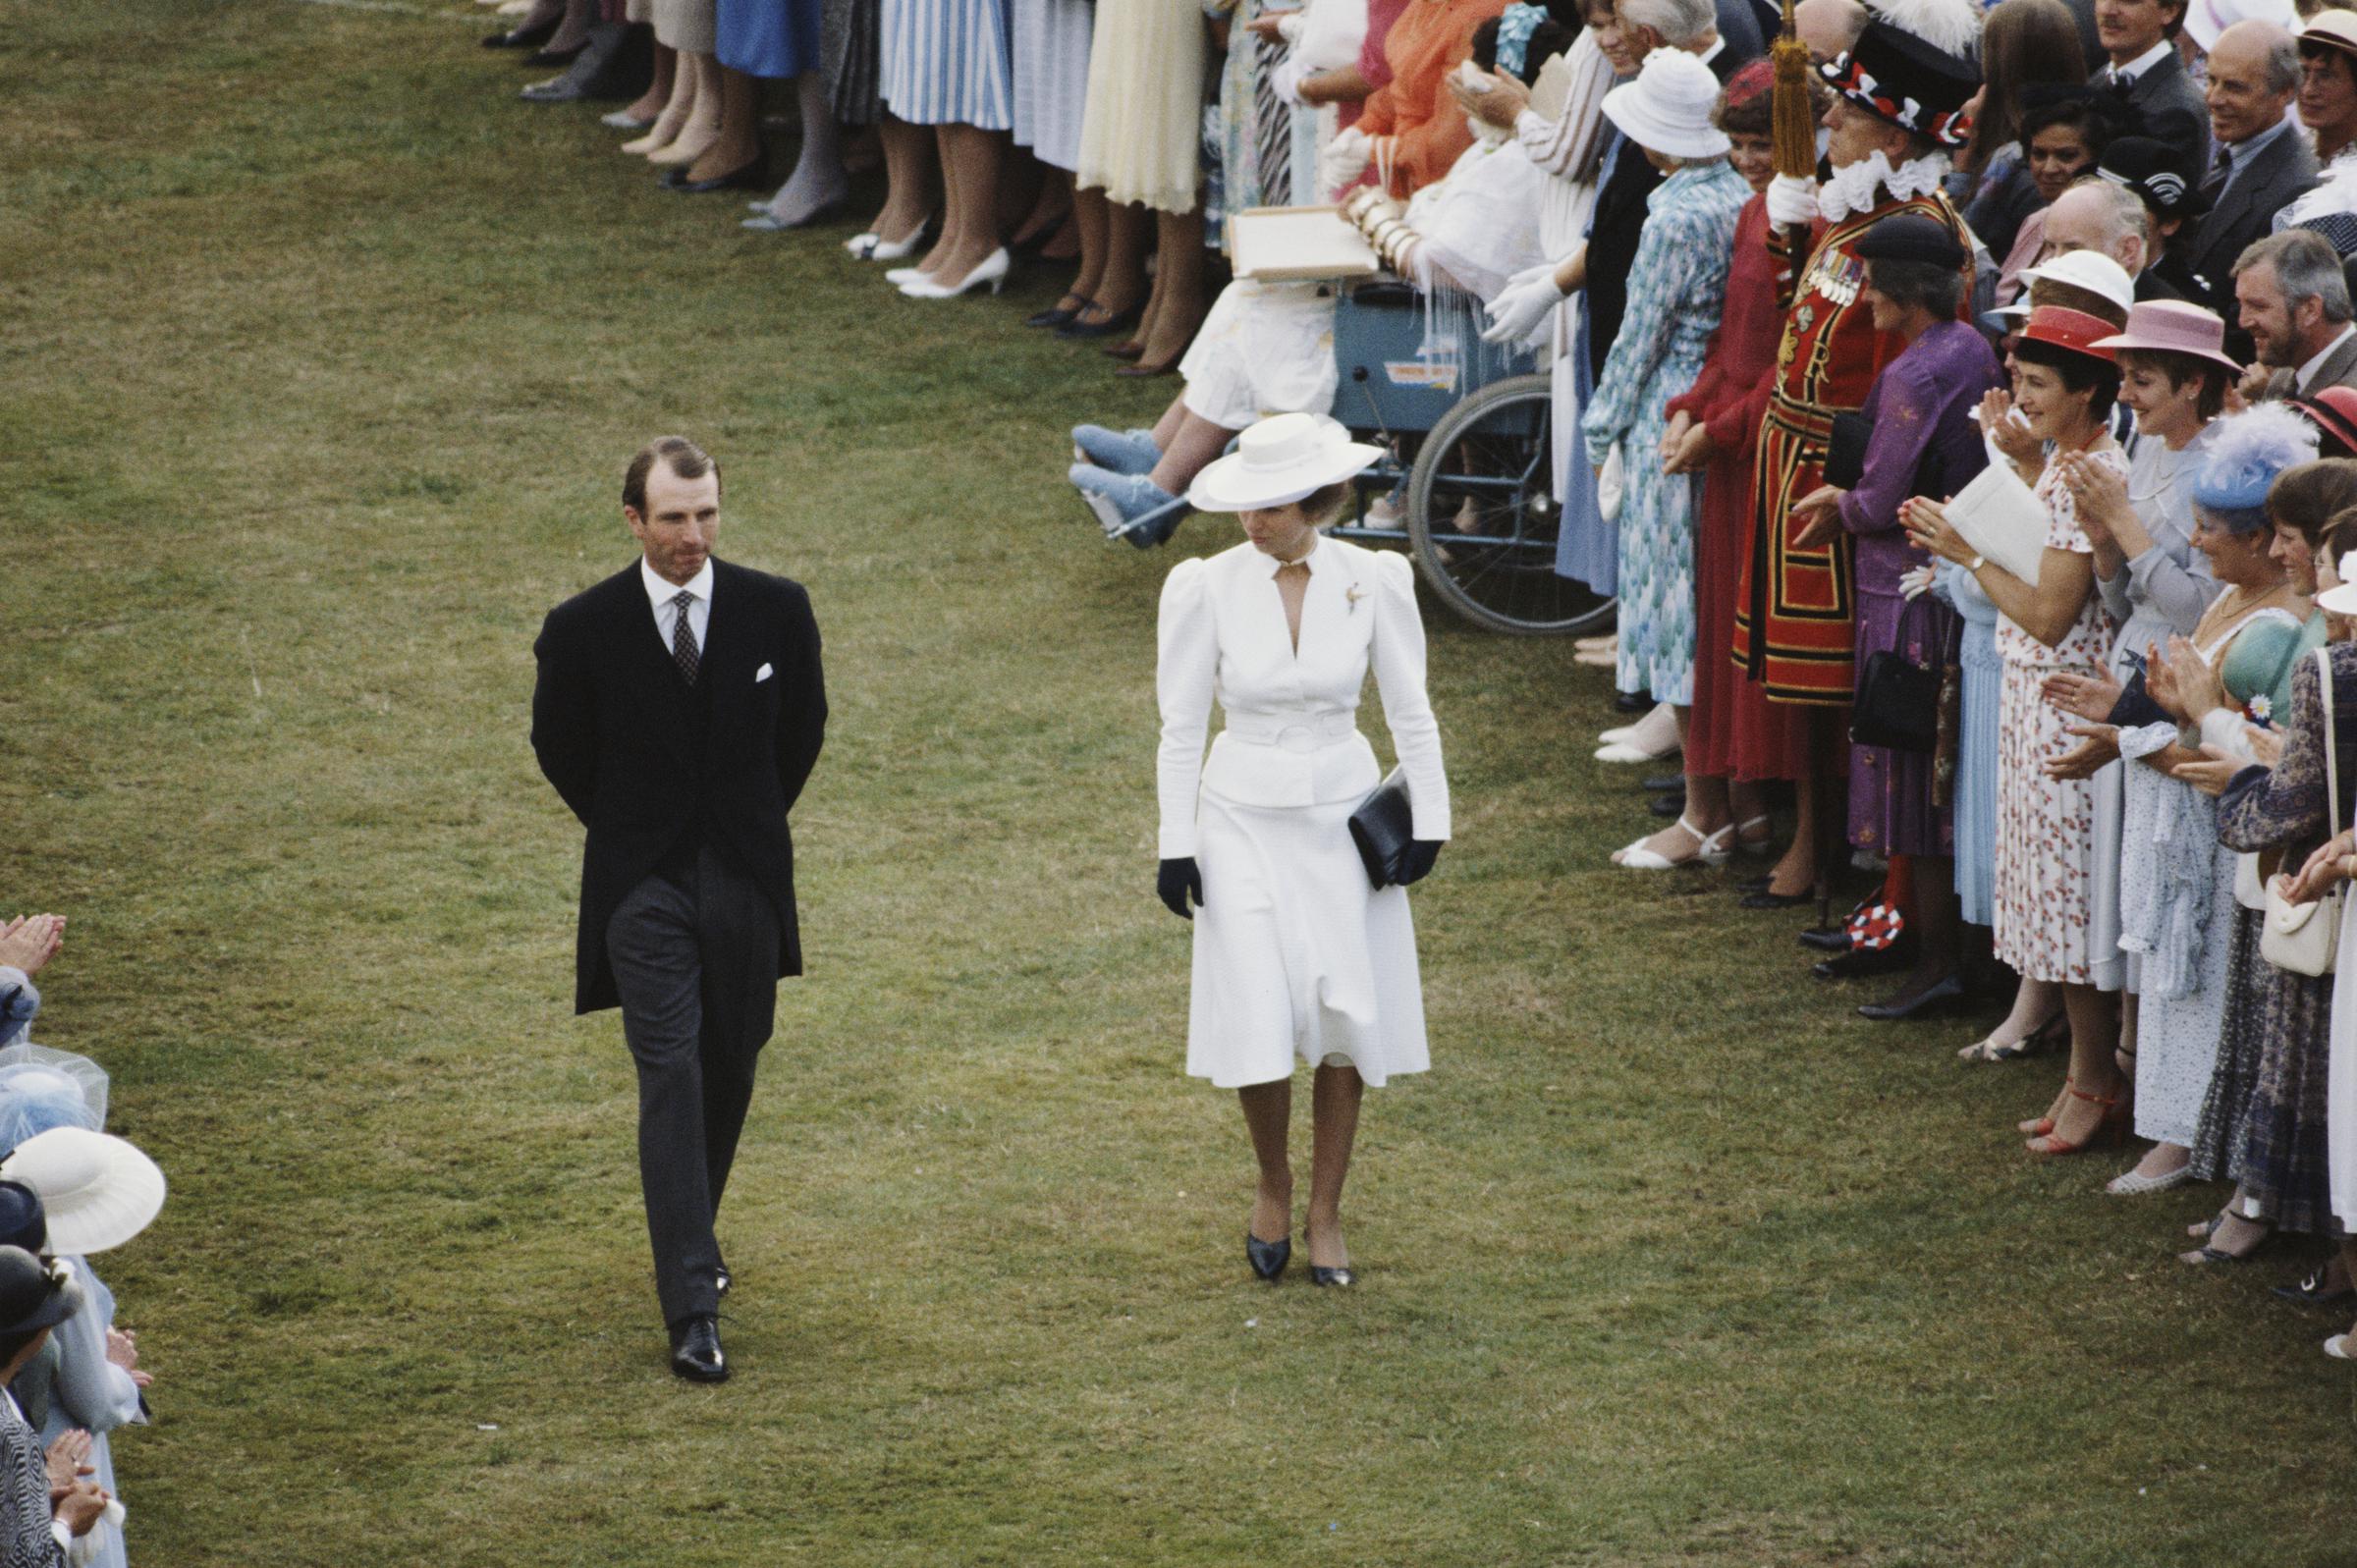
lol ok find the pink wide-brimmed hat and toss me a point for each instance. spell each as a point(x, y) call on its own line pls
point(2172, 326)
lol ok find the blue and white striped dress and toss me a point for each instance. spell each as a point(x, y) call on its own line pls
point(945, 62)
point(1052, 39)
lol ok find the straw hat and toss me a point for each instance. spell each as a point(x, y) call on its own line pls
point(96, 1190)
point(2174, 326)
point(1283, 458)
point(1668, 108)
point(2330, 29)
point(2055, 325)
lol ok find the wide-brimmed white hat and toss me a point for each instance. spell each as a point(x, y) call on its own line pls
point(1668, 108)
point(2090, 270)
point(1283, 458)
point(96, 1190)
point(2342, 601)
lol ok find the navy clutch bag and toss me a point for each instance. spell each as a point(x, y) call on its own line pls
point(1382, 827)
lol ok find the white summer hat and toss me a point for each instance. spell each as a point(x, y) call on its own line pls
point(2090, 270)
point(97, 1190)
point(2342, 601)
point(1668, 108)
point(1283, 458)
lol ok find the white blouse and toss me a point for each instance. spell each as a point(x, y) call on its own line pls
point(1292, 735)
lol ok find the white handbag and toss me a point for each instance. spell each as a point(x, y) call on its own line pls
point(2305, 938)
point(1612, 483)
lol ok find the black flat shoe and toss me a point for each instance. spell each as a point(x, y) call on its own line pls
point(547, 58)
point(1056, 318)
point(1662, 783)
point(695, 1353)
point(1861, 963)
point(1929, 999)
point(1668, 805)
point(2310, 1292)
point(1331, 1277)
point(1268, 1258)
point(531, 37)
point(1835, 940)
point(1119, 321)
point(1633, 702)
point(751, 176)
point(1770, 898)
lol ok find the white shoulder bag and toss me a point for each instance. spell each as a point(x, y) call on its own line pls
point(2305, 938)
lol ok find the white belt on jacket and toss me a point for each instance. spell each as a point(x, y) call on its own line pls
point(1295, 732)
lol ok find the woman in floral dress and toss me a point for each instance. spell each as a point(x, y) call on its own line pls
point(2063, 387)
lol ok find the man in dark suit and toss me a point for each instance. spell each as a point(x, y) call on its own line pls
point(2141, 63)
point(679, 711)
point(2264, 156)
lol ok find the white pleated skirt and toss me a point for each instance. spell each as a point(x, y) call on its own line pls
point(1296, 958)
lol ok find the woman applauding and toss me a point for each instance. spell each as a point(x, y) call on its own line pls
point(1294, 952)
point(2064, 386)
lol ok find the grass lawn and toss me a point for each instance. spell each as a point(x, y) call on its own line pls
point(321, 358)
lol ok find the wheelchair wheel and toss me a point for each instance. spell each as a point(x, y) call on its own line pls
point(1482, 515)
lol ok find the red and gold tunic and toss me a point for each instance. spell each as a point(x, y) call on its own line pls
point(1795, 609)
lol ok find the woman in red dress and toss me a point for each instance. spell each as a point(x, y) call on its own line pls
point(1736, 736)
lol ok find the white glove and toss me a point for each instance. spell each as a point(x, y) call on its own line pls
point(1916, 584)
point(1285, 80)
point(1345, 159)
point(1791, 202)
point(1522, 305)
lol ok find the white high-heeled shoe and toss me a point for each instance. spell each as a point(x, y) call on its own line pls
point(1709, 851)
point(991, 269)
point(901, 277)
point(1646, 732)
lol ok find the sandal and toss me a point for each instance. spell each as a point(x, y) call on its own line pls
point(2111, 1128)
point(1710, 849)
point(2037, 1043)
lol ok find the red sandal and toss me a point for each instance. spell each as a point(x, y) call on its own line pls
point(2112, 1129)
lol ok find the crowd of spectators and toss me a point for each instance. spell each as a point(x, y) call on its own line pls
point(2087, 259)
point(69, 1377)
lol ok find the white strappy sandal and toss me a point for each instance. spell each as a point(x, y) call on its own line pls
point(1710, 850)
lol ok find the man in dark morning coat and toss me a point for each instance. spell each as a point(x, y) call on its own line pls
point(2264, 158)
point(679, 711)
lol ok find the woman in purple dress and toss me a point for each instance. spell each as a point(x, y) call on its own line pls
point(1923, 442)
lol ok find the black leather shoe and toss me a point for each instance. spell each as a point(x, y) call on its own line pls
point(1668, 805)
point(753, 176)
point(550, 59)
point(1661, 783)
point(1770, 898)
point(1927, 1000)
point(1121, 322)
point(2311, 1291)
point(1331, 1277)
point(558, 89)
point(1859, 963)
point(1052, 317)
point(1268, 1258)
point(1633, 702)
point(531, 37)
point(695, 1353)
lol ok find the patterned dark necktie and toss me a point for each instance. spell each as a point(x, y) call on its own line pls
point(1271, 127)
point(683, 651)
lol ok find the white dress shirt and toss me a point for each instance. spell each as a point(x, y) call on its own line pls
point(661, 594)
point(1293, 736)
point(2143, 62)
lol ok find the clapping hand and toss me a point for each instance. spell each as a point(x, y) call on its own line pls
point(66, 1460)
point(2211, 774)
point(1523, 304)
point(30, 941)
point(2084, 696)
point(2097, 747)
point(1499, 102)
point(2012, 438)
point(1927, 528)
point(123, 1349)
point(2196, 683)
point(1823, 507)
point(1916, 581)
point(2098, 491)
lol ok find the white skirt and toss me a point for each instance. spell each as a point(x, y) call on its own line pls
point(1295, 956)
point(1264, 349)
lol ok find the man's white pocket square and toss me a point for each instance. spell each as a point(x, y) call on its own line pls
point(761, 675)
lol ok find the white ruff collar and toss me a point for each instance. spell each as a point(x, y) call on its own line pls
point(1858, 187)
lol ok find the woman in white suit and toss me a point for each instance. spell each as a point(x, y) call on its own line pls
point(1295, 954)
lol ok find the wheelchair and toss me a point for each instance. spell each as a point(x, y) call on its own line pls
point(1466, 482)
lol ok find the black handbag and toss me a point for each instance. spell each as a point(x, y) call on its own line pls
point(1846, 450)
point(1898, 705)
point(1382, 827)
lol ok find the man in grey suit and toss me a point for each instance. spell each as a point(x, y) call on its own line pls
point(2294, 301)
point(2264, 157)
point(2139, 45)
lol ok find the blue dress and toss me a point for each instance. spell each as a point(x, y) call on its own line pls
point(767, 37)
point(1975, 795)
point(1675, 290)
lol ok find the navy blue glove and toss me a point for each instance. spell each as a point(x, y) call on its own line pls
point(1418, 863)
point(1177, 881)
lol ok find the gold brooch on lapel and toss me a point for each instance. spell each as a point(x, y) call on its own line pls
point(1352, 595)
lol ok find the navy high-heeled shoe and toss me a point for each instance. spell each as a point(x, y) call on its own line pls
point(1268, 1258)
